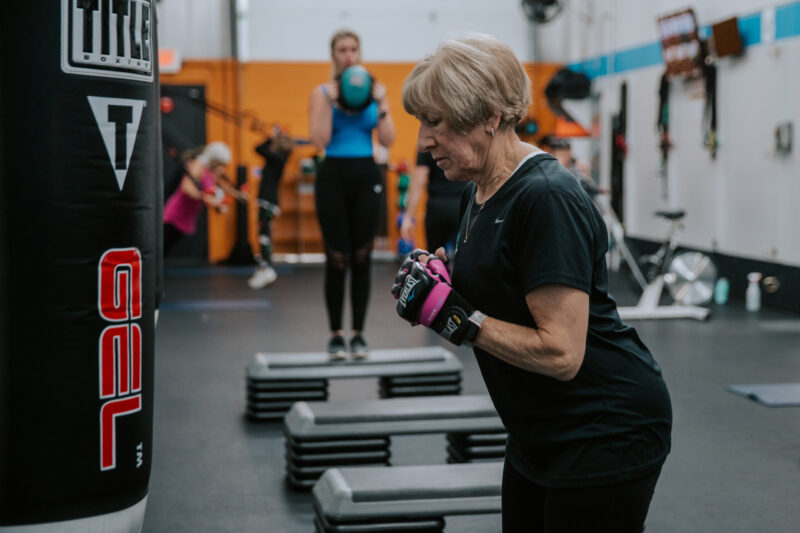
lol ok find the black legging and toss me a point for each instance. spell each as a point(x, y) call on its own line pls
point(171, 237)
point(268, 190)
point(618, 508)
point(347, 197)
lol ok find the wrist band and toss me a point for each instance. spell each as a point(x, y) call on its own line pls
point(475, 321)
point(382, 114)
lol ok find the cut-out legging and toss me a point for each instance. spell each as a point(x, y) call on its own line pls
point(347, 197)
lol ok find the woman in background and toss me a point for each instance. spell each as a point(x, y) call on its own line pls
point(348, 191)
point(198, 188)
point(441, 210)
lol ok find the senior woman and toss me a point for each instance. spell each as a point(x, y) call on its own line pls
point(587, 411)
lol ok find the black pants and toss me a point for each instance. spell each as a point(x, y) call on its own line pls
point(618, 508)
point(441, 223)
point(268, 190)
point(171, 237)
point(347, 197)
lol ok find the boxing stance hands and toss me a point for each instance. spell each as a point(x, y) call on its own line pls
point(378, 92)
point(425, 296)
point(332, 91)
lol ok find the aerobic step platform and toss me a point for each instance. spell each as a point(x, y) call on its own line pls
point(403, 498)
point(348, 433)
point(277, 380)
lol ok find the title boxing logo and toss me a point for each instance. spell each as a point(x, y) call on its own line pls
point(107, 38)
point(118, 120)
point(404, 296)
point(119, 302)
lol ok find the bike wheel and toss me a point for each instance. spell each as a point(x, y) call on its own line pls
point(690, 278)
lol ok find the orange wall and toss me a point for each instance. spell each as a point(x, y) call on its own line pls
point(219, 79)
point(278, 92)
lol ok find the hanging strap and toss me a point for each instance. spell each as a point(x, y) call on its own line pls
point(710, 111)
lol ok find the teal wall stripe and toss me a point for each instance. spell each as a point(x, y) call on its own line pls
point(639, 57)
point(787, 21)
point(787, 24)
point(593, 67)
point(750, 29)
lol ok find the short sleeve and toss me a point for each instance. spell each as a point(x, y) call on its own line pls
point(425, 159)
point(555, 243)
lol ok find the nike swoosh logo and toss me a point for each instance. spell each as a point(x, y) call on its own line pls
point(499, 220)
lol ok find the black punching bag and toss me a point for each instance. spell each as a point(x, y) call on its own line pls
point(80, 259)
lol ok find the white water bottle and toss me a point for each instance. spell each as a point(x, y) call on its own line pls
point(752, 295)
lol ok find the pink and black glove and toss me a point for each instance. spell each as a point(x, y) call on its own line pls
point(405, 268)
point(426, 297)
point(436, 265)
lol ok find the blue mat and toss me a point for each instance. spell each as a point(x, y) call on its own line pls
point(215, 305)
point(219, 270)
point(772, 395)
point(205, 271)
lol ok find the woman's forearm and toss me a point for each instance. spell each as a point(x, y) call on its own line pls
point(385, 125)
point(529, 348)
point(190, 189)
point(418, 183)
point(320, 113)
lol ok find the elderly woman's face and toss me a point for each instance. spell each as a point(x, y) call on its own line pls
point(461, 157)
point(216, 168)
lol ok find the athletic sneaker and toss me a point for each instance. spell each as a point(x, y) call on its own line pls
point(337, 351)
point(262, 277)
point(358, 347)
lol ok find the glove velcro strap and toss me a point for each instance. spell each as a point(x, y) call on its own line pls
point(452, 322)
point(433, 303)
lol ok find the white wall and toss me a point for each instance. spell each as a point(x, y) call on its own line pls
point(299, 30)
point(587, 28)
point(391, 30)
point(198, 29)
point(743, 202)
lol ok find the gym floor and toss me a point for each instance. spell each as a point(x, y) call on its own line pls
point(734, 466)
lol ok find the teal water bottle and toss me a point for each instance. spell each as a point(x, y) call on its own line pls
point(721, 290)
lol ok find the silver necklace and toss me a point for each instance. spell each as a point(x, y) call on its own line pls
point(469, 216)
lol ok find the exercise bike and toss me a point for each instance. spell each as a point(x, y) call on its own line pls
point(689, 276)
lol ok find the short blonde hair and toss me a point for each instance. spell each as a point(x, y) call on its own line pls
point(469, 79)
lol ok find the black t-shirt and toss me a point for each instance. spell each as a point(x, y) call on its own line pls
point(612, 422)
point(439, 187)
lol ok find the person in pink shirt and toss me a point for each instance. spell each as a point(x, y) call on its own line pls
point(198, 188)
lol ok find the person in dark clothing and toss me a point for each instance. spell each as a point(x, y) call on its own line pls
point(348, 190)
point(441, 210)
point(587, 410)
point(275, 151)
point(562, 151)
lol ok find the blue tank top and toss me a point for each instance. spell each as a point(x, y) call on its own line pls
point(351, 134)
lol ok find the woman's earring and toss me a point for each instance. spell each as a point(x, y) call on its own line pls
point(492, 131)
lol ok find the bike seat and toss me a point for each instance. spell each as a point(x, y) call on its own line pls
point(671, 215)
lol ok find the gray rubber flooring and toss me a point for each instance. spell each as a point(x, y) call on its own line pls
point(734, 467)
